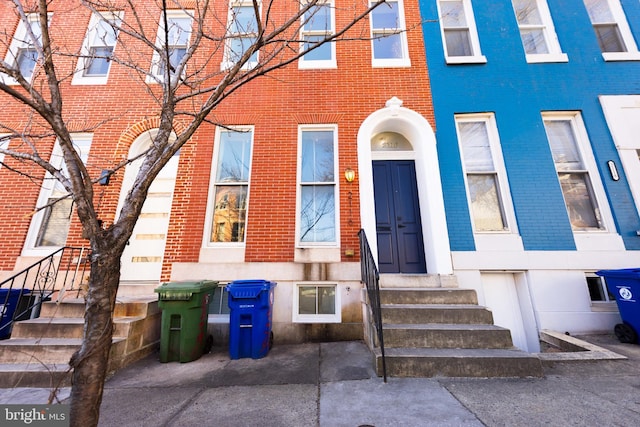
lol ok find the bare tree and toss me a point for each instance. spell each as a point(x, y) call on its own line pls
point(184, 85)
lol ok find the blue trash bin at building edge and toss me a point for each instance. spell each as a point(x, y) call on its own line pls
point(9, 300)
point(625, 285)
point(250, 318)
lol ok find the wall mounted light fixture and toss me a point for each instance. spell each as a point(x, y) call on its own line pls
point(613, 170)
point(349, 175)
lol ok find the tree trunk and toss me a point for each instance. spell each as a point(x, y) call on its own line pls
point(90, 362)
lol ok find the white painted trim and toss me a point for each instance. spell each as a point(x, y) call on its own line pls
point(405, 61)
point(316, 318)
point(477, 56)
point(414, 127)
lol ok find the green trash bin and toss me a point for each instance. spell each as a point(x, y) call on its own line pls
point(185, 311)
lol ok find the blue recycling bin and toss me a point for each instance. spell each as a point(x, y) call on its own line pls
point(9, 300)
point(625, 285)
point(250, 318)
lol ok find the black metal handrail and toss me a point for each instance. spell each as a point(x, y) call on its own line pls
point(371, 279)
point(61, 271)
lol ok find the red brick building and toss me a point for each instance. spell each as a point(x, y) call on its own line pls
point(260, 191)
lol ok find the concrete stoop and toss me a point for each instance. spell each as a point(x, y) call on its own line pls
point(38, 352)
point(443, 332)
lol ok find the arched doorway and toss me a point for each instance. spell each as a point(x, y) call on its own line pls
point(142, 258)
point(404, 144)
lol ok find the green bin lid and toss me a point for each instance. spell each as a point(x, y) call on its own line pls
point(183, 291)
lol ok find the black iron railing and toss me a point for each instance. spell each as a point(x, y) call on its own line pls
point(371, 279)
point(24, 292)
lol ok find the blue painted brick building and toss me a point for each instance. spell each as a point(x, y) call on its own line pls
point(537, 109)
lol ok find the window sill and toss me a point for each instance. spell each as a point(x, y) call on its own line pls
point(79, 80)
point(317, 65)
point(390, 63)
point(544, 58)
point(455, 60)
point(604, 306)
point(621, 56)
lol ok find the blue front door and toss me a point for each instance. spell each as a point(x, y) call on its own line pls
point(399, 230)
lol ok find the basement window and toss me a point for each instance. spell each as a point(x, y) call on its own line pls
point(601, 298)
point(316, 303)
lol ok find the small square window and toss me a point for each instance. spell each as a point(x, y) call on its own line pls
point(316, 303)
point(598, 290)
point(219, 303)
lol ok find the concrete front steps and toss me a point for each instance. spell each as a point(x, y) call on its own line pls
point(38, 352)
point(433, 332)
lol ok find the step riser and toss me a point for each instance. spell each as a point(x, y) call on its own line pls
point(409, 338)
point(76, 309)
point(436, 315)
point(57, 330)
point(35, 379)
point(428, 296)
point(36, 354)
point(460, 367)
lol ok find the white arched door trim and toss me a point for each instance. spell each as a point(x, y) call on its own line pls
point(414, 127)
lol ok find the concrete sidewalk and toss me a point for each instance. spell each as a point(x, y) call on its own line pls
point(333, 385)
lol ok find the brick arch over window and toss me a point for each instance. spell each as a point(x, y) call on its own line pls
point(134, 131)
point(395, 118)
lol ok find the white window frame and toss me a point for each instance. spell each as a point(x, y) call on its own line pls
point(304, 63)
point(548, 30)
point(632, 53)
point(476, 57)
point(209, 227)
point(300, 184)
point(82, 140)
point(79, 78)
point(499, 171)
point(156, 74)
point(316, 318)
point(226, 61)
point(404, 61)
point(590, 170)
point(21, 40)
point(3, 144)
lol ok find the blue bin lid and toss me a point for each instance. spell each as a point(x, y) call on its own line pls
point(248, 288)
point(631, 273)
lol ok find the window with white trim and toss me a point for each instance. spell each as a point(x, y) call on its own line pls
point(569, 144)
point(97, 49)
point(485, 175)
point(50, 225)
point(317, 222)
point(612, 30)
point(242, 34)
point(318, 24)
point(4, 143)
point(231, 185)
point(459, 34)
point(388, 34)
point(174, 40)
point(22, 53)
point(598, 290)
point(537, 32)
point(316, 303)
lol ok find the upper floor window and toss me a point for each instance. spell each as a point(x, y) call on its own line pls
point(23, 51)
point(389, 38)
point(242, 29)
point(317, 25)
point(574, 162)
point(485, 175)
point(612, 29)
point(461, 43)
point(317, 193)
point(231, 185)
point(172, 43)
point(97, 49)
point(537, 32)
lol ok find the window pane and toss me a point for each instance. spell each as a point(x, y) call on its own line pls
point(527, 12)
point(609, 38)
point(317, 156)
point(234, 156)
point(26, 60)
point(229, 214)
point(244, 20)
point(599, 11)
point(475, 147)
point(105, 34)
point(563, 143)
point(386, 16)
point(534, 41)
point(318, 18)
point(388, 47)
point(220, 301)
point(98, 63)
point(179, 31)
point(238, 46)
point(485, 203)
point(55, 224)
point(326, 300)
point(317, 214)
point(582, 210)
point(453, 14)
point(307, 300)
point(321, 53)
point(458, 42)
